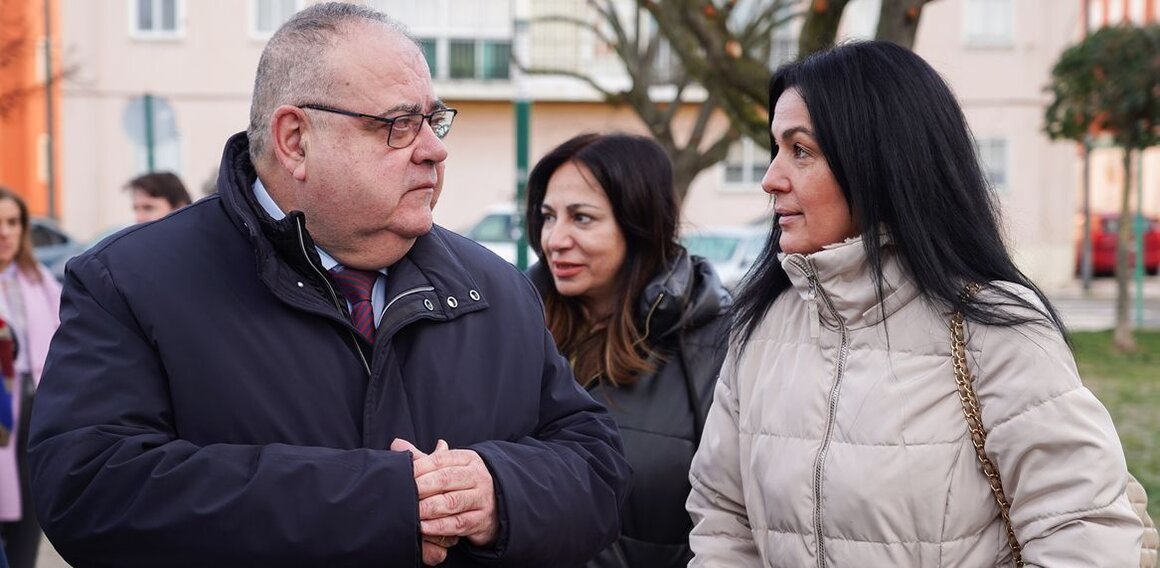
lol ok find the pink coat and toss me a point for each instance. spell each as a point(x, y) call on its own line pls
point(42, 307)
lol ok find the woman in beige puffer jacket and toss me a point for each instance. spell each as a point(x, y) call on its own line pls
point(837, 436)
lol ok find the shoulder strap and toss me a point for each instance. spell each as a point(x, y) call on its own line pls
point(973, 415)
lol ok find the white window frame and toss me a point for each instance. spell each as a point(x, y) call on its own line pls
point(253, 30)
point(1003, 151)
point(178, 32)
point(442, 32)
point(751, 155)
point(974, 37)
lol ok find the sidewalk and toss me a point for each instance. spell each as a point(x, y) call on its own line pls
point(1095, 310)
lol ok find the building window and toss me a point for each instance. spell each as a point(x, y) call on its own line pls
point(992, 155)
point(745, 164)
point(429, 53)
point(462, 40)
point(266, 16)
point(157, 18)
point(477, 59)
point(989, 23)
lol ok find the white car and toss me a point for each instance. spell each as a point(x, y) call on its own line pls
point(497, 231)
point(731, 250)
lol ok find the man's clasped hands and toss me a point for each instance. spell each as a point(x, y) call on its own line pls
point(456, 498)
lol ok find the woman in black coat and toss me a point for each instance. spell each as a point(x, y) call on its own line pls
point(643, 323)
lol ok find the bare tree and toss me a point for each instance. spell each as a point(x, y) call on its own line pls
point(724, 48)
point(15, 43)
point(634, 38)
point(897, 22)
point(718, 53)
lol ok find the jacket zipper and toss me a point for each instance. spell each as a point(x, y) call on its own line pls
point(400, 296)
point(812, 309)
point(648, 318)
point(835, 390)
point(333, 296)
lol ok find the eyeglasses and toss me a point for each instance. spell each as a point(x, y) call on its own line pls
point(402, 129)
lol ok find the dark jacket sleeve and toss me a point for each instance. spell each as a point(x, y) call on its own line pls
point(560, 490)
point(114, 485)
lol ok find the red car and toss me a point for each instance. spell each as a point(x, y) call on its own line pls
point(1105, 230)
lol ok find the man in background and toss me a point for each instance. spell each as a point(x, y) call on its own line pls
point(156, 195)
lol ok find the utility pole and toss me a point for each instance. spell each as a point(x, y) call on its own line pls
point(1085, 267)
point(1140, 227)
point(49, 119)
point(150, 157)
point(523, 115)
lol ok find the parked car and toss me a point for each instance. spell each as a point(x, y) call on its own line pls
point(1104, 231)
point(731, 250)
point(50, 243)
point(496, 230)
point(57, 266)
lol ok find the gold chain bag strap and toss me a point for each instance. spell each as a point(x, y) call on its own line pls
point(975, 423)
point(973, 414)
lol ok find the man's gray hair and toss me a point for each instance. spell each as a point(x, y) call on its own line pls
point(294, 65)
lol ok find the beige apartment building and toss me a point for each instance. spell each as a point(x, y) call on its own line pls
point(191, 62)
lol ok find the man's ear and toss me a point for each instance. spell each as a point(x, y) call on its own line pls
point(290, 135)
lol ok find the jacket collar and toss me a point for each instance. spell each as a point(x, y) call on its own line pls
point(845, 285)
point(287, 260)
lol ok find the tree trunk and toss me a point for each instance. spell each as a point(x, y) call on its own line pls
point(821, 25)
point(898, 21)
point(1122, 339)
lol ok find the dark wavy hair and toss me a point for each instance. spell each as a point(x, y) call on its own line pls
point(25, 256)
point(900, 148)
point(637, 177)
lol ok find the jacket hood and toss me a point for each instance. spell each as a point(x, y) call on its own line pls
point(686, 294)
point(236, 176)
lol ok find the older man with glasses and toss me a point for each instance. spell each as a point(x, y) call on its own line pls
point(304, 370)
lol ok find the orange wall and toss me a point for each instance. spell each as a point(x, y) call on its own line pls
point(23, 126)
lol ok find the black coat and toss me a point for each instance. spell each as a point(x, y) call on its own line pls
point(685, 309)
point(206, 402)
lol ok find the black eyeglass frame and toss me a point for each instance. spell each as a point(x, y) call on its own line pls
point(390, 122)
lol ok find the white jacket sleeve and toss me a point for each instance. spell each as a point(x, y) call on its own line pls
point(721, 535)
point(1056, 449)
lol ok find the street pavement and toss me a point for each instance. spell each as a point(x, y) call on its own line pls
point(1081, 311)
point(1095, 309)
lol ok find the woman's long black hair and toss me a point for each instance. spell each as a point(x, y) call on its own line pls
point(900, 148)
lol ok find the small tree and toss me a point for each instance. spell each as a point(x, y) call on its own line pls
point(1111, 82)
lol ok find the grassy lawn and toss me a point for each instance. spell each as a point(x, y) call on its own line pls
point(1129, 385)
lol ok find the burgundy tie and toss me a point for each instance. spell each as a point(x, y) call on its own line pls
point(356, 285)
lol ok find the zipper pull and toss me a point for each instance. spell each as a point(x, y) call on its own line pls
point(815, 317)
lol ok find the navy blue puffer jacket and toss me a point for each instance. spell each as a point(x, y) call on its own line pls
point(207, 403)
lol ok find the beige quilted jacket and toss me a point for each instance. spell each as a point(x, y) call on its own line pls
point(836, 438)
point(1139, 501)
